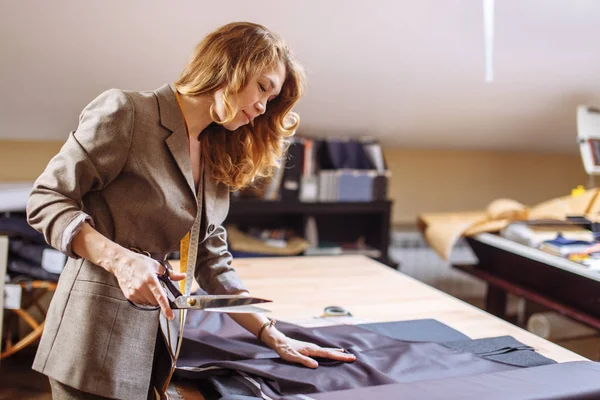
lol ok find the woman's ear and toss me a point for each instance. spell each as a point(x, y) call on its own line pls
point(291, 119)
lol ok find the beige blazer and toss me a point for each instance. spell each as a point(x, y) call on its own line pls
point(126, 170)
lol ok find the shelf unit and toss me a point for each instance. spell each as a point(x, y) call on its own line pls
point(336, 221)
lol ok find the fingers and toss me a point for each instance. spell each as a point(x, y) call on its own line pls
point(137, 299)
point(333, 354)
point(138, 279)
point(146, 294)
point(297, 357)
point(175, 276)
point(151, 293)
point(160, 297)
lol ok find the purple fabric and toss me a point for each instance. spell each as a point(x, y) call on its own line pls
point(214, 342)
point(573, 380)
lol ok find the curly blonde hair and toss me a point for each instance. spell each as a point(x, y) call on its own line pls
point(230, 58)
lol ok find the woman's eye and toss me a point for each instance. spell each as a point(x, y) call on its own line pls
point(262, 88)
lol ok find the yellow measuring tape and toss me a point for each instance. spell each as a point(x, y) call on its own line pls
point(191, 239)
point(184, 245)
point(184, 249)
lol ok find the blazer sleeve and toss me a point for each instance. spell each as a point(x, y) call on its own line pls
point(90, 159)
point(214, 272)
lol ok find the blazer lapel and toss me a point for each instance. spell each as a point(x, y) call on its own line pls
point(172, 119)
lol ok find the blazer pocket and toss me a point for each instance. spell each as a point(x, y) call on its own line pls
point(103, 341)
point(100, 289)
point(82, 339)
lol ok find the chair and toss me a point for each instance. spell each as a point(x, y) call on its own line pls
point(14, 339)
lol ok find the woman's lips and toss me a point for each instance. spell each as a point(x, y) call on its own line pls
point(248, 119)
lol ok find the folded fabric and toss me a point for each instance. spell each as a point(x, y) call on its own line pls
point(25, 252)
point(22, 269)
point(243, 243)
point(23, 249)
point(15, 224)
point(444, 229)
point(505, 349)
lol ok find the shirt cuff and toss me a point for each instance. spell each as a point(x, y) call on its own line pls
point(70, 231)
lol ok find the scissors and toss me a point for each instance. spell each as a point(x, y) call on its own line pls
point(229, 303)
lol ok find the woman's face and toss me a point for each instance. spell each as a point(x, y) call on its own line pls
point(253, 100)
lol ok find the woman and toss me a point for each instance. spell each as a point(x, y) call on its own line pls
point(141, 171)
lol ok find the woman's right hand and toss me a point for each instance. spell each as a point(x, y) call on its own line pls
point(137, 275)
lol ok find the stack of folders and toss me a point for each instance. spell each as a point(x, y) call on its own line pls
point(335, 170)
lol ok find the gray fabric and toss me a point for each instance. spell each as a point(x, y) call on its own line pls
point(488, 345)
point(520, 357)
point(572, 380)
point(127, 167)
point(505, 349)
point(419, 330)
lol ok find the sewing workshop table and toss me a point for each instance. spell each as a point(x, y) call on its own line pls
point(301, 287)
point(550, 281)
point(553, 282)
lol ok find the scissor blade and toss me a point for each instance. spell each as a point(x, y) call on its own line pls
point(239, 310)
point(201, 302)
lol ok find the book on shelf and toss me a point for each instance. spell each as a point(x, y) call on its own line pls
point(327, 170)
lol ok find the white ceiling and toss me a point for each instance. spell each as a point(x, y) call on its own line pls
point(408, 72)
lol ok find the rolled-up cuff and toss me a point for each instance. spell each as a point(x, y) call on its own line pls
point(227, 283)
point(70, 231)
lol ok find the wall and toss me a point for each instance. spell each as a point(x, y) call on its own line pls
point(422, 180)
point(410, 73)
point(458, 180)
point(24, 160)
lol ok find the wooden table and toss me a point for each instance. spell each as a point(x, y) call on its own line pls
point(301, 287)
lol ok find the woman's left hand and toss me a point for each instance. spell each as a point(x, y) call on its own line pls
point(301, 352)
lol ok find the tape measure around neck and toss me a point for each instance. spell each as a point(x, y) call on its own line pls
point(184, 248)
point(188, 247)
point(192, 254)
point(187, 259)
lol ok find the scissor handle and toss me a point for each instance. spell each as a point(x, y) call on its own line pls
point(164, 277)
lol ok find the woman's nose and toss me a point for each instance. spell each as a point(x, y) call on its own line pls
point(260, 107)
